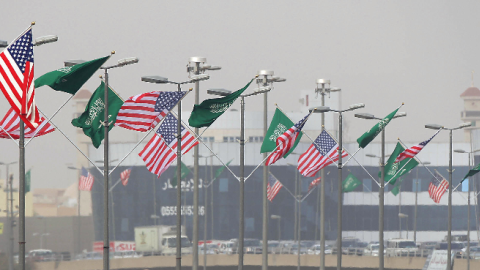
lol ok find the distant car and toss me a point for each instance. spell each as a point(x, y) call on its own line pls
point(227, 248)
point(252, 246)
point(456, 247)
point(474, 252)
point(303, 249)
point(273, 247)
point(285, 247)
point(398, 247)
point(209, 249)
point(41, 255)
point(356, 248)
point(126, 254)
point(371, 250)
point(93, 255)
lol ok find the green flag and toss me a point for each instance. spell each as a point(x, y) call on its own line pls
point(368, 136)
point(391, 167)
point(396, 188)
point(91, 121)
point(472, 172)
point(70, 79)
point(205, 113)
point(184, 171)
point(280, 123)
point(27, 182)
point(350, 183)
point(221, 169)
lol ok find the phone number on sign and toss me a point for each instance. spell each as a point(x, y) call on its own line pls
point(187, 210)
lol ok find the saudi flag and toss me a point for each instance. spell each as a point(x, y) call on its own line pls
point(280, 123)
point(368, 136)
point(184, 172)
point(396, 188)
point(472, 172)
point(205, 113)
point(391, 167)
point(70, 79)
point(91, 120)
point(27, 182)
point(350, 183)
point(220, 170)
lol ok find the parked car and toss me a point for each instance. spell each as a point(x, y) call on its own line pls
point(303, 249)
point(356, 248)
point(227, 248)
point(346, 243)
point(398, 247)
point(273, 247)
point(40, 255)
point(252, 246)
point(371, 250)
point(126, 254)
point(284, 247)
point(209, 249)
point(474, 252)
point(456, 247)
point(316, 249)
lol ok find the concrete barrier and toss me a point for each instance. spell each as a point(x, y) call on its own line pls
point(283, 261)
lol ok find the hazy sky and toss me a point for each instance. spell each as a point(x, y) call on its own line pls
point(381, 53)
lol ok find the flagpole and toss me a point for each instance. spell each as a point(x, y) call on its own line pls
point(381, 207)
point(242, 184)
point(21, 197)
point(179, 189)
point(106, 241)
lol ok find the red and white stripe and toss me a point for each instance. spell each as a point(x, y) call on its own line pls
point(158, 155)
point(86, 183)
point(435, 192)
point(285, 142)
point(11, 125)
point(18, 87)
point(314, 183)
point(124, 176)
point(138, 112)
point(312, 161)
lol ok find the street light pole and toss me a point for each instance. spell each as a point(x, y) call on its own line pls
point(450, 188)
point(416, 204)
point(265, 78)
point(223, 92)
point(163, 80)
point(339, 166)
point(322, 91)
point(195, 66)
point(9, 212)
point(106, 185)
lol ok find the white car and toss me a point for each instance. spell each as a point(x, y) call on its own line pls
point(371, 250)
point(316, 250)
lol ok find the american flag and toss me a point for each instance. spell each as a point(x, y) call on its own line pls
point(16, 78)
point(125, 175)
point(286, 141)
point(86, 180)
point(323, 152)
point(11, 125)
point(273, 187)
point(160, 151)
point(314, 183)
point(437, 187)
point(143, 112)
point(414, 150)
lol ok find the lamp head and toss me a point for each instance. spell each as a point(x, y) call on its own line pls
point(127, 61)
point(213, 67)
point(365, 116)
point(278, 79)
point(402, 215)
point(356, 106)
point(320, 109)
point(154, 79)
point(464, 125)
point(371, 155)
point(3, 44)
point(219, 92)
point(433, 126)
point(71, 63)
point(45, 39)
point(457, 151)
point(199, 77)
point(335, 89)
point(400, 114)
point(275, 217)
point(262, 89)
